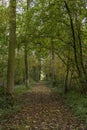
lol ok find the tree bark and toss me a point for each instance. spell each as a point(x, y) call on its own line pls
point(71, 75)
point(52, 63)
point(67, 71)
point(74, 39)
point(80, 47)
point(12, 42)
point(39, 68)
point(26, 54)
point(66, 80)
point(78, 52)
point(26, 68)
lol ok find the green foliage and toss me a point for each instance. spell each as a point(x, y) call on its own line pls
point(44, 24)
point(19, 89)
point(6, 112)
point(36, 27)
point(78, 103)
point(7, 108)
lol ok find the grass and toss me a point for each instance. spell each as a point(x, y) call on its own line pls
point(6, 109)
point(19, 89)
point(78, 103)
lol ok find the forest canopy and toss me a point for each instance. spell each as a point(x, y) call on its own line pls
point(43, 40)
point(43, 64)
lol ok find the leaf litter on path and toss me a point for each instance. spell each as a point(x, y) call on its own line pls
point(42, 109)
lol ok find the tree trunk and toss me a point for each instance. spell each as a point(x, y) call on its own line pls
point(78, 52)
point(12, 42)
point(26, 54)
point(66, 80)
point(71, 75)
point(26, 68)
point(52, 63)
point(67, 71)
point(39, 60)
point(74, 39)
point(39, 68)
point(80, 47)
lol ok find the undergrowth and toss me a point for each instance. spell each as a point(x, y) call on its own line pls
point(78, 103)
point(7, 109)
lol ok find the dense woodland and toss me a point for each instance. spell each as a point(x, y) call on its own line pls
point(43, 40)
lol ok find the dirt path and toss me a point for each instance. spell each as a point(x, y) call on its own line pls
point(42, 109)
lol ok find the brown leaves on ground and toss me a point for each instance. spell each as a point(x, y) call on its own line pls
point(42, 109)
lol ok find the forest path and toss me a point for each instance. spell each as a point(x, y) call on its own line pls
point(42, 109)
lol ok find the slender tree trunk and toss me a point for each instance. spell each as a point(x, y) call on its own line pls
point(52, 63)
point(26, 68)
point(12, 42)
point(66, 79)
point(78, 56)
point(67, 71)
point(39, 68)
point(39, 58)
point(80, 48)
point(71, 75)
point(26, 55)
point(74, 40)
point(84, 74)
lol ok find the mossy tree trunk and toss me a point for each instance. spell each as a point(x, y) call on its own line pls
point(12, 42)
